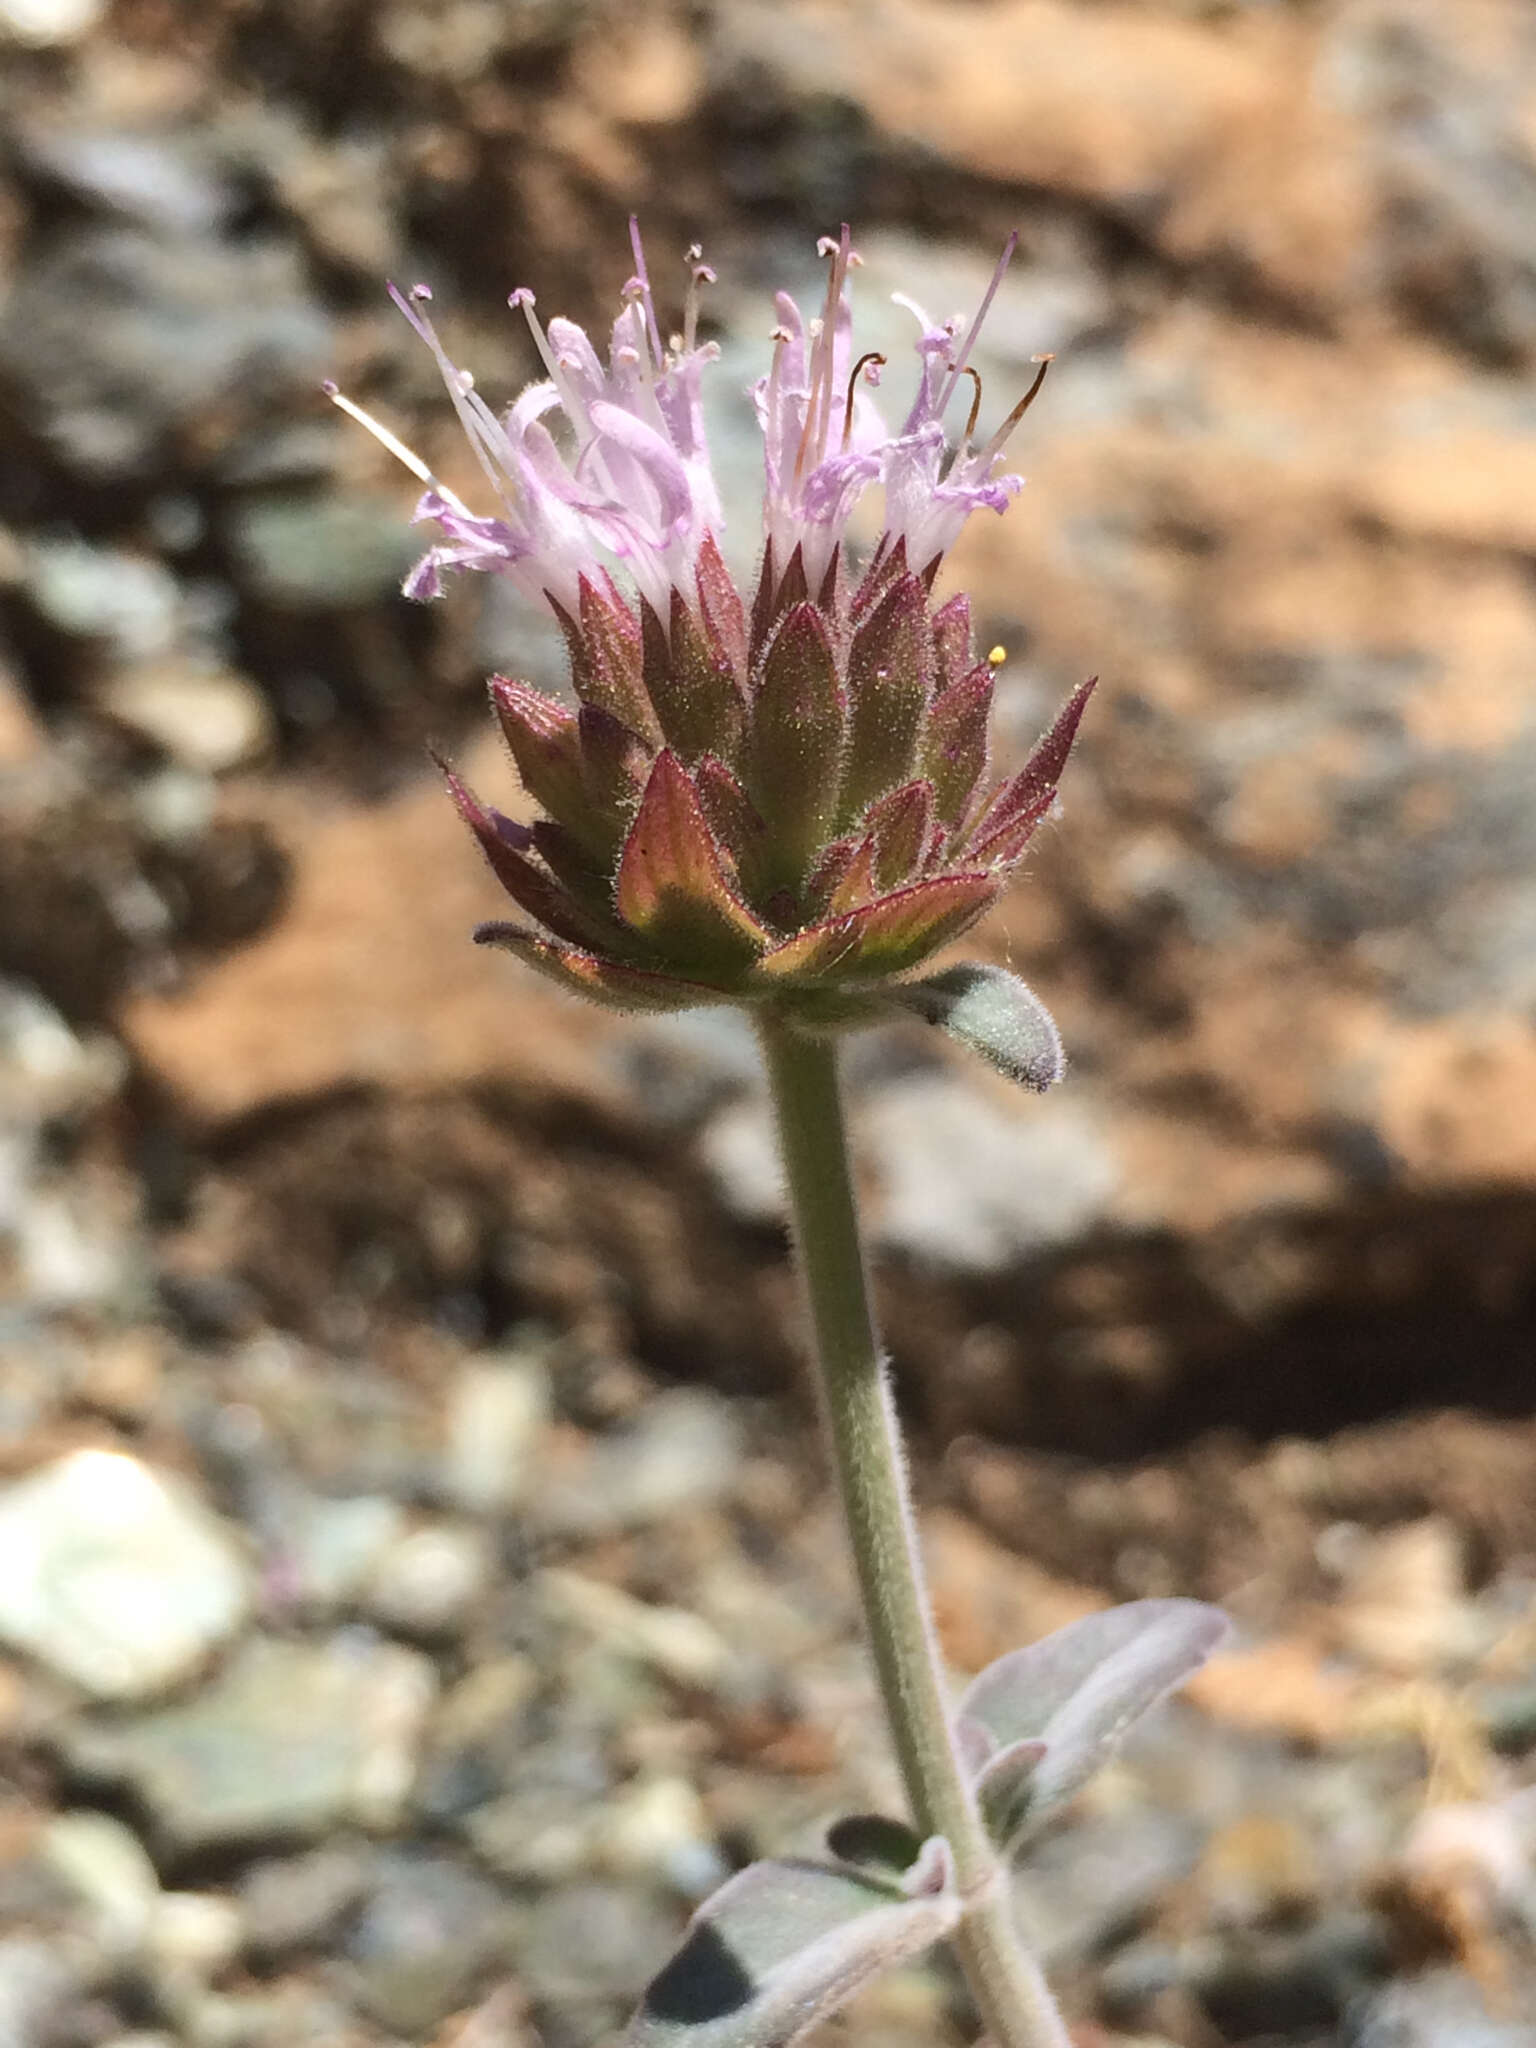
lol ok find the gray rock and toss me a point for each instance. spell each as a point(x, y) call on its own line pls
point(113, 337)
point(36, 1982)
point(1099, 1875)
point(596, 1943)
point(117, 1577)
point(1443, 2009)
point(497, 1412)
point(306, 551)
point(969, 1182)
point(292, 1902)
point(326, 1550)
point(289, 1740)
point(428, 1931)
point(130, 602)
point(682, 1450)
point(739, 1148)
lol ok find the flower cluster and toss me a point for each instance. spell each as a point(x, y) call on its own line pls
point(780, 797)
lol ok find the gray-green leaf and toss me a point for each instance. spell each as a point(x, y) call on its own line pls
point(1040, 1721)
point(784, 1944)
point(993, 1013)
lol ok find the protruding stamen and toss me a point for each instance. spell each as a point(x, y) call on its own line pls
point(870, 357)
point(699, 272)
point(996, 656)
point(645, 285)
point(995, 446)
point(823, 342)
point(963, 353)
point(975, 412)
point(381, 434)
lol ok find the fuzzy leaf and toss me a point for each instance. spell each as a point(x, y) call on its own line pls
point(614, 766)
point(783, 1945)
point(855, 885)
point(545, 743)
point(899, 826)
point(890, 675)
point(505, 845)
point(883, 938)
point(695, 695)
point(993, 1013)
point(611, 984)
point(1002, 846)
point(725, 621)
point(951, 642)
point(1078, 1692)
point(1027, 795)
point(672, 883)
point(1005, 1790)
point(604, 644)
point(795, 745)
point(956, 744)
point(735, 823)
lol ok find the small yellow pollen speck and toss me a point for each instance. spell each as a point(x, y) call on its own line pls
point(996, 657)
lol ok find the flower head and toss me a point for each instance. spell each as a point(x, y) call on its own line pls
point(781, 798)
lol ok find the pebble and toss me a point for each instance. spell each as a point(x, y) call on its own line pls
point(207, 719)
point(429, 1581)
point(129, 602)
point(46, 1069)
point(683, 1450)
point(290, 1739)
point(291, 1902)
point(592, 1943)
point(35, 1984)
point(657, 1828)
point(117, 1578)
point(299, 552)
point(427, 1931)
point(1441, 2009)
point(674, 1641)
point(192, 1936)
point(330, 1548)
point(44, 24)
point(739, 1149)
point(497, 1411)
point(969, 1185)
point(1403, 1605)
point(108, 1869)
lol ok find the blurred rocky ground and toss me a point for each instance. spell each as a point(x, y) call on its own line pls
point(416, 1580)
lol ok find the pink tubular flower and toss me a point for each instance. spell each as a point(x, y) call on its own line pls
point(781, 799)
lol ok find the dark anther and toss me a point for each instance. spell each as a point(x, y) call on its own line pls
point(870, 356)
point(975, 411)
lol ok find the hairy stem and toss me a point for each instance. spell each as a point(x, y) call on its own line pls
point(1006, 1982)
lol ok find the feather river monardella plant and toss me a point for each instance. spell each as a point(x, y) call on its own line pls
point(783, 799)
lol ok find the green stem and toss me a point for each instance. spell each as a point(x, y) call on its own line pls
point(1006, 1982)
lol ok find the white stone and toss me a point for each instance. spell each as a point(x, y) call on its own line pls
point(208, 719)
point(427, 1583)
point(192, 1936)
point(107, 1867)
point(44, 23)
point(679, 1644)
point(498, 1411)
point(971, 1181)
point(657, 1827)
point(115, 1576)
